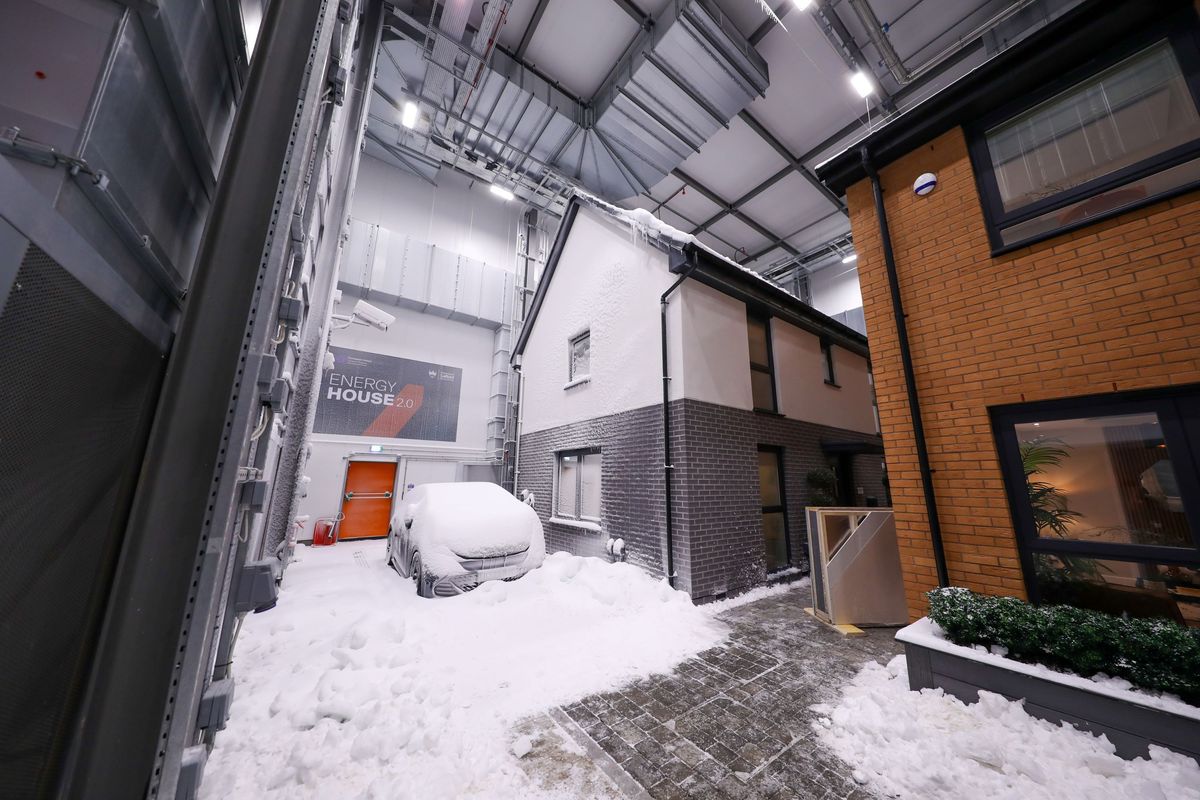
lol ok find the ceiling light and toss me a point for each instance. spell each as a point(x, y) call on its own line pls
point(850, 258)
point(862, 83)
point(802, 4)
point(501, 192)
point(409, 118)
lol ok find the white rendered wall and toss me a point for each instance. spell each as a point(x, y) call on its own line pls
point(609, 283)
point(835, 289)
point(716, 349)
point(459, 215)
point(800, 381)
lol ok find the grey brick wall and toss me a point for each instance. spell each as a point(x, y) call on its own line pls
point(718, 524)
point(631, 478)
point(722, 509)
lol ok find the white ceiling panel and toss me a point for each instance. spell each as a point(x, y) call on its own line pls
point(810, 96)
point(693, 205)
point(520, 12)
point(761, 263)
point(720, 245)
point(665, 188)
point(578, 42)
point(733, 161)
point(788, 204)
point(820, 232)
point(739, 234)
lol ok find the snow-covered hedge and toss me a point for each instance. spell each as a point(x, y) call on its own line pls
point(1155, 654)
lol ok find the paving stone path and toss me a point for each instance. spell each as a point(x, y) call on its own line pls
point(734, 722)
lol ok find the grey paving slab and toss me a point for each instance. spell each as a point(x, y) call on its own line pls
point(735, 721)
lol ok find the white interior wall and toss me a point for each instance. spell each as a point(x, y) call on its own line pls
point(609, 283)
point(458, 214)
point(835, 289)
point(422, 337)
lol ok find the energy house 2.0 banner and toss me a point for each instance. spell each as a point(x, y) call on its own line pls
point(368, 394)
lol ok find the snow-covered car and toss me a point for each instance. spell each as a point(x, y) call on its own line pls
point(450, 537)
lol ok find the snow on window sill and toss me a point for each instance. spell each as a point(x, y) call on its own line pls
point(577, 382)
point(582, 524)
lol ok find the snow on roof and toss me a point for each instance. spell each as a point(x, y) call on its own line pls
point(648, 227)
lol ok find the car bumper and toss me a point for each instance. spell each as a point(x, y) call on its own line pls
point(479, 570)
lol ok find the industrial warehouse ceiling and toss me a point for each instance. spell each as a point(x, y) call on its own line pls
point(709, 113)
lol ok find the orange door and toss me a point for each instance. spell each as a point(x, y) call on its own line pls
point(367, 499)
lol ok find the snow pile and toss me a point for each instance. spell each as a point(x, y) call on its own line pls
point(930, 745)
point(355, 687)
point(755, 594)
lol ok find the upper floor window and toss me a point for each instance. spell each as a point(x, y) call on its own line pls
point(580, 365)
point(762, 366)
point(827, 362)
point(1108, 141)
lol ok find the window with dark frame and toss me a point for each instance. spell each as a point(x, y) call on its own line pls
point(827, 362)
point(776, 543)
point(762, 365)
point(580, 359)
point(577, 485)
point(1105, 497)
point(1103, 141)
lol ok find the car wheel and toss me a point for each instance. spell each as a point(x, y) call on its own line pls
point(392, 560)
point(417, 570)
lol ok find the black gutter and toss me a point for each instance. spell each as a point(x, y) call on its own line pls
point(666, 412)
point(910, 379)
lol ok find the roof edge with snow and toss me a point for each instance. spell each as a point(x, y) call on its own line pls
point(710, 269)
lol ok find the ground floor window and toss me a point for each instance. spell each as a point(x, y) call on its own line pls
point(774, 508)
point(1105, 496)
point(577, 485)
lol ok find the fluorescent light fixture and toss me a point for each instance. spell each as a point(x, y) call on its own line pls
point(409, 118)
point(501, 192)
point(852, 257)
point(862, 83)
point(802, 4)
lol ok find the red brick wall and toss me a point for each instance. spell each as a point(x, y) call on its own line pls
point(1112, 306)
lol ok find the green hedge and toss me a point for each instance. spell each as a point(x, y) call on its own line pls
point(1155, 654)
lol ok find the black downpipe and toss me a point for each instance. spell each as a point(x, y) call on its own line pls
point(910, 379)
point(666, 412)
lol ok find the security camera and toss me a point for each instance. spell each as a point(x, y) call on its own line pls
point(372, 315)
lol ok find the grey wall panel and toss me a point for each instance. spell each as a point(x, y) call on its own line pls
point(443, 281)
point(150, 163)
point(195, 30)
point(492, 293)
point(467, 290)
point(414, 280)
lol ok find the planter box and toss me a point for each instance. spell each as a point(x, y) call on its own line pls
point(1131, 720)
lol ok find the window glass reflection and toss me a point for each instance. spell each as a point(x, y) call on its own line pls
point(1103, 479)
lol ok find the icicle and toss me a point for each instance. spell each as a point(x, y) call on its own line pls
point(763, 5)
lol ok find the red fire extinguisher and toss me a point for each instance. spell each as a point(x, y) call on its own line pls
point(325, 532)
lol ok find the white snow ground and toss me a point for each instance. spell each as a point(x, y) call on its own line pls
point(355, 687)
point(928, 745)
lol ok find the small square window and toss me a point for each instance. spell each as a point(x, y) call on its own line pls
point(581, 356)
